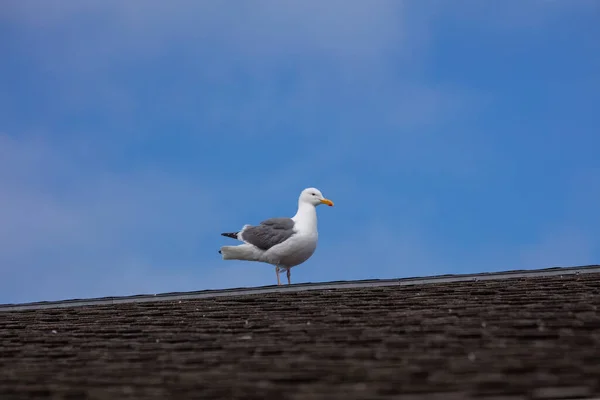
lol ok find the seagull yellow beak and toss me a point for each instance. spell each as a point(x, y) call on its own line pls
point(328, 202)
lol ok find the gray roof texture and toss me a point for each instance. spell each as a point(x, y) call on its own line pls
point(510, 335)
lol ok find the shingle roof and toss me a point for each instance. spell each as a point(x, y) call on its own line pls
point(512, 336)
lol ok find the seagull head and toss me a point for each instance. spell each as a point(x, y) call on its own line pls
point(315, 197)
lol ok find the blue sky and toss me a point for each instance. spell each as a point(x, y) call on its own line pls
point(453, 137)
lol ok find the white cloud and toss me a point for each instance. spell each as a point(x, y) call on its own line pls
point(72, 228)
point(81, 229)
point(335, 50)
point(111, 276)
point(71, 224)
point(254, 33)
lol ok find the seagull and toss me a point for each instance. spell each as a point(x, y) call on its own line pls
point(282, 242)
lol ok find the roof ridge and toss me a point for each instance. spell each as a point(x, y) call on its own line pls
point(586, 269)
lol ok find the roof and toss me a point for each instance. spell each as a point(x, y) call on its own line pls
point(510, 335)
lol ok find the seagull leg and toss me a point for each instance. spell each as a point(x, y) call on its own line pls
point(288, 276)
point(277, 273)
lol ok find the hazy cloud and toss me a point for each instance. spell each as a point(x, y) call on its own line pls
point(132, 130)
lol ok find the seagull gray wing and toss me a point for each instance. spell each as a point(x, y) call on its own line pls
point(269, 233)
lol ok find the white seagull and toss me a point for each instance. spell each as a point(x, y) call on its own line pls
point(282, 242)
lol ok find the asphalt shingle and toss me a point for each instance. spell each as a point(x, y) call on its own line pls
point(522, 338)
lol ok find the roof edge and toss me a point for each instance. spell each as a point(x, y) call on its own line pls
point(211, 293)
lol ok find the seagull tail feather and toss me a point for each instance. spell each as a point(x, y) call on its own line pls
point(241, 252)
